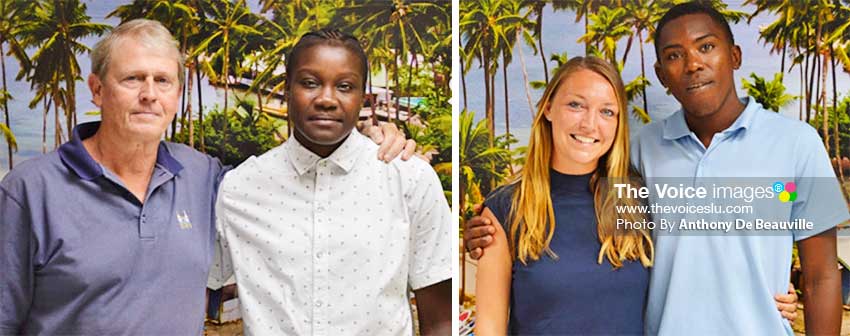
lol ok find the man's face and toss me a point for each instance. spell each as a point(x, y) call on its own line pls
point(140, 93)
point(696, 60)
point(326, 95)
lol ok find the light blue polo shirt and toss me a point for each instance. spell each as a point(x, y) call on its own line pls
point(80, 255)
point(707, 283)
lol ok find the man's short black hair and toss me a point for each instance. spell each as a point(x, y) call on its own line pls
point(329, 37)
point(693, 7)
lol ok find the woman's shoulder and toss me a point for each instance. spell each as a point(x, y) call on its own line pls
point(499, 201)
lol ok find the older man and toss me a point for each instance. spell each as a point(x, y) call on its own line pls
point(112, 233)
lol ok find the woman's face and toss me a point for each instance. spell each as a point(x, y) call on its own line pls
point(584, 114)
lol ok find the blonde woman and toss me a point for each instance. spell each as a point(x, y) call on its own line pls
point(557, 222)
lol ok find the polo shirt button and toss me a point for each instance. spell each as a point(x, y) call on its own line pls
point(319, 255)
point(318, 304)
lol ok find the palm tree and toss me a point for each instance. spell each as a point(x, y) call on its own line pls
point(770, 94)
point(780, 32)
point(537, 7)
point(477, 159)
point(399, 25)
point(56, 31)
point(482, 31)
point(12, 13)
point(313, 14)
point(228, 24)
point(607, 27)
point(641, 16)
point(512, 30)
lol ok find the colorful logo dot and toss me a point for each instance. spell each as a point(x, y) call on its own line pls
point(787, 191)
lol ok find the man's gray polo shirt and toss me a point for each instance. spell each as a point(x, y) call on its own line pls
point(81, 255)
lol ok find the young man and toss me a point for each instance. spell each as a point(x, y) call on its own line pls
point(113, 232)
point(712, 284)
point(323, 240)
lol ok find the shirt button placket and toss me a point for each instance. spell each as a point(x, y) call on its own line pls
point(320, 238)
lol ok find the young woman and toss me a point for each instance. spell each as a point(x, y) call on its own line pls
point(556, 221)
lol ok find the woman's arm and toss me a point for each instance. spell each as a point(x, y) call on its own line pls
point(493, 284)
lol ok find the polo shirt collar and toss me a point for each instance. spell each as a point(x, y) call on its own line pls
point(78, 159)
point(676, 127)
point(303, 160)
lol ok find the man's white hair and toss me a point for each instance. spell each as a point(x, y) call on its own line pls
point(149, 33)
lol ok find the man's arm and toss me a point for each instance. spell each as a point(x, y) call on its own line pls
point(16, 264)
point(478, 233)
point(434, 307)
point(821, 284)
point(391, 140)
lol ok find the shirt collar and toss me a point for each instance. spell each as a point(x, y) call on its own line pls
point(78, 159)
point(303, 160)
point(676, 127)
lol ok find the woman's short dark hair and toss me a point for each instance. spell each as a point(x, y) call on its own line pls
point(329, 37)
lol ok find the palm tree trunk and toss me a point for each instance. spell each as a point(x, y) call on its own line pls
point(816, 92)
point(835, 133)
point(182, 112)
point(463, 84)
point(505, 85)
point(372, 103)
point(200, 108)
point(398, 87)
point(6, 104)
point(802, 89)
point(413, 61)
point(226, 71)
point(44, 125)
point(538, 31)
point(525, 76)
point(462, 248)
point(809, 87)
point(488, 101)
point(628, 48)
point(782, 67)
point(189, 82)
point(642, 70)
point(70, 109)
point(57, 126)
point(824, 111)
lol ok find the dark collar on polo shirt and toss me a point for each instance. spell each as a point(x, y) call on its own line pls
point(77, 158)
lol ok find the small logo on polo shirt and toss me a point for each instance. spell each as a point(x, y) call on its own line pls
point(787, 191)
point(183, 220)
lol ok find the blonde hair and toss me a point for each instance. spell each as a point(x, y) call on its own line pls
point(152, 34)
point(532, 217)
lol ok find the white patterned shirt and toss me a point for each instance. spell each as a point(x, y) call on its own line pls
point(331, 246)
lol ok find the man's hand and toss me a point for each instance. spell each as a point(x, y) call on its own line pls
point(477, 234)
point(787, 303)
point(391, 140)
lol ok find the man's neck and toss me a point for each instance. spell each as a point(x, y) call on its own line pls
point(706, 127)
point(132, 161)
point(322, 151)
